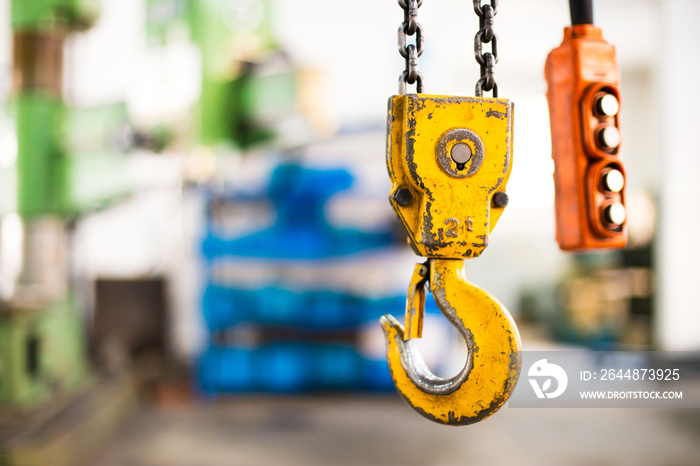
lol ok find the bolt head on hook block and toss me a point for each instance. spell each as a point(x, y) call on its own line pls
point(454, 156)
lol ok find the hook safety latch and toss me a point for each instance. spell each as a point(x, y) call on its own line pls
point(415, 301)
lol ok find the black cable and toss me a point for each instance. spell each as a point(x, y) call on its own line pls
point(581, 11)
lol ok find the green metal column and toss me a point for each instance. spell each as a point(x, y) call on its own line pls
point(42, 346)
point(40, 175)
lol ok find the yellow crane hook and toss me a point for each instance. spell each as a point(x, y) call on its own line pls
point(449, 159)
point(493, 343)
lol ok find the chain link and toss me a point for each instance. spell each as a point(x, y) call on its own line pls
point(410, 52)
point(487, 61)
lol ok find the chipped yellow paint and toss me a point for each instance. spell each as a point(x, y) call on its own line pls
point(494, 350)
point(448, 216)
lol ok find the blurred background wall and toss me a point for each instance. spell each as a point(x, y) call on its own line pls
point(353, 49)
point(253, 170)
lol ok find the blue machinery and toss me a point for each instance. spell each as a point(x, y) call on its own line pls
point(305, 338)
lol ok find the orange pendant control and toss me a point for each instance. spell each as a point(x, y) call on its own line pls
point(584, 105)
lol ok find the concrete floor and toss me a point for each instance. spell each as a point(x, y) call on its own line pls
point(382, 430)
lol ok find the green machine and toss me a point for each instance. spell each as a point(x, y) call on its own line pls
point(247, 83)
point(71, 161)
point(68, 162)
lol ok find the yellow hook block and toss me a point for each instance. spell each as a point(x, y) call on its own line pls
point(449, 160)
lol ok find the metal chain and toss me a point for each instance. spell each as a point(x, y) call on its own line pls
point(486, 34)
point(410, 52)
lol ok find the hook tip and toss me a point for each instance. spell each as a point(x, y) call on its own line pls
point(390, 325)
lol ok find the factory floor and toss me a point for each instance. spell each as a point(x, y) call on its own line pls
point(383, 430)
